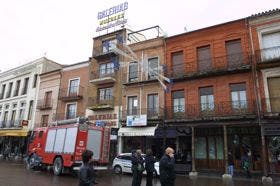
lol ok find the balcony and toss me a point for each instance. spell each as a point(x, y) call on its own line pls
point(218, 65)
point(217, 111)
point(268, 55)
point(95, 103)
point(64, 116)
point(73, 93)
point(10, 124)
point(44, 104)
point(152, 113)
point(137, 77)
point(271, 107)
point(101, 52)
point(103, 76)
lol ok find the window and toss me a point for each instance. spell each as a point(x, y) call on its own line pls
point(3, 91)
point(271, 46)
point(13, 117)
point(177, 62)
point(44, 120)
point(35, 80)
point(25, 86)
point(30, 111)
point(204, 58)
point(5, 119)
point(105, 94)
point(274, 93)
point(71, 111)
point(238, 96)
point(152, 105)
point(153, 68)
point(106, 68)
point(21, 113)
point(17, 88)
point(206, 100)
point(132, 105)
point(178, 99)
point(234, 53)
point(48, 98)
point(9, 90)
point(133, 72)
point(109, 45)
point(73, 87)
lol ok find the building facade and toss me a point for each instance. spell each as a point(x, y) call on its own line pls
point(47, 97)
point(143, 94)
point(211, 107)
point(72, 97)
point(265, 43)
point(18, 101)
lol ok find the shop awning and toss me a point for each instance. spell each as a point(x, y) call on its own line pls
point(17, 132)
point(137, 131)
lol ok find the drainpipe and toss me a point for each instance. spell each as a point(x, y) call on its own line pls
point(258, 100)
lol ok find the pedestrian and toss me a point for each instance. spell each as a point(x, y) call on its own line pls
point(166, 168)
point(245, 163)
point(137, 167)
point(230, 163)
point(87, 174)
point(150, 167)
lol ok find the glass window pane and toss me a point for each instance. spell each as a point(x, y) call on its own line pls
point(211, 148)
point(200, 148)
point(220, 148)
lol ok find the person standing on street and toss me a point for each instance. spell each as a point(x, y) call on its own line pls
point(86, 174)
point(150, 167)
point(230, 163)
point(137, 167)
point(166, 168)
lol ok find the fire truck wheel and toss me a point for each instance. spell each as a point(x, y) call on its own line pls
point(57, 166)
point(117, 169)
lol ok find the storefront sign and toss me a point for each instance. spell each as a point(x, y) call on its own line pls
point(139, 120)
point(112, 17)
point(109, 120)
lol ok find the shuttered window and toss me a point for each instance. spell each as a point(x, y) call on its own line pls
point(234, 53)
point(274, 93)
point(177, 62)
point(204, 58)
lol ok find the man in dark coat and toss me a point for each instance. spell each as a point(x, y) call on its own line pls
point(137, 167)
point(150, 167)
point(166, 168)
point(86, 174)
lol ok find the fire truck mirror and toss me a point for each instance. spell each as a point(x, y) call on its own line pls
point(83, 127)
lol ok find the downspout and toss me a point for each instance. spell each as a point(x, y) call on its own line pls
point(164, 112)
point(258, 99)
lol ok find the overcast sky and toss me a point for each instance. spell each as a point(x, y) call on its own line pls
point(62, 30)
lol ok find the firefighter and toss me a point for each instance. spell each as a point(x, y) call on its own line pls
point(87, 174)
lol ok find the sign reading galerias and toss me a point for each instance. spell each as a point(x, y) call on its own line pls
point(112, 17)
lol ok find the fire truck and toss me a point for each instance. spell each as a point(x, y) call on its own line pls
point(60, 145)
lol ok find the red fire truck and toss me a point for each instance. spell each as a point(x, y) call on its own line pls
point(61, 145)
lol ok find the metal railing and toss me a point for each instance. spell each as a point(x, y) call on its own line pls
point(97, 74)
point(138, 76)
point(71, 93)
point(220, 109)
point(152, 113)
point(271, 105)
point(44, 104)
point(98, 102)
point(100, 50)
point(268, 54)
point(65, 116)
point(222, 63)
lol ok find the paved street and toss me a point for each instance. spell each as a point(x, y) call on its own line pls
point(15, 174)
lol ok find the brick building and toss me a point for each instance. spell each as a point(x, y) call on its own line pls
point(72, 98)
point(142, 94)
point(211, 107)
point(264, 32)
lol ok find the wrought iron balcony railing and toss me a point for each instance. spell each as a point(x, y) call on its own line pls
point(103, 51)
point(271, 106)
point(44, 104)
point(71, 93)
point(97, 103)
point(107, 75)
point(208, 111)
point(237, 61)
point(152, 113)
point(268, 54)
point(137, 76)
point(65, 116)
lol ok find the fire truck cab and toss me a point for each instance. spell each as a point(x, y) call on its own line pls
point(61, 145)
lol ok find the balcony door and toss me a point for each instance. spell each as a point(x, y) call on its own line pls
point(152, 110)
point(73, 87)
point(274, 94)
point(48, 98)
point(238, 98)
point(132, 105)
point(234, 53)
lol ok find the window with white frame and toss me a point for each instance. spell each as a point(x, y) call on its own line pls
point(238, 96)
point(153, 68)
point(105, 93)
point(109, 45)
point(206, 99)
point(178, 99)
point(71, 110)
point(73, 87)
point(270, 46)
point(106, 68)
